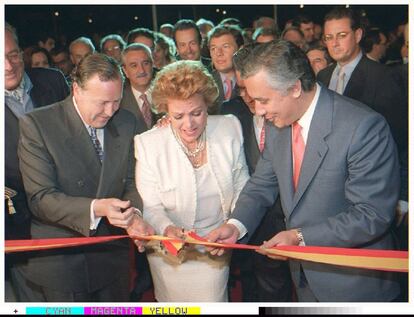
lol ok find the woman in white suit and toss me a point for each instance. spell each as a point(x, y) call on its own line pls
point(189, 175)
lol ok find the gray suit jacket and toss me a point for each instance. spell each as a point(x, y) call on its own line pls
point(62, 175)
point(346, 196)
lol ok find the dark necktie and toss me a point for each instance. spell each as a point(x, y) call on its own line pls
point(146, 111)
point(96, 143)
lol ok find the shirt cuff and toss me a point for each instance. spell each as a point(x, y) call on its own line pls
point(242, 229)
point(94, 220)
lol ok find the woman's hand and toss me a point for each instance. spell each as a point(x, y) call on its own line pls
point(175, 232)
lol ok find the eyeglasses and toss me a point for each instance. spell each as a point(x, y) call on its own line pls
point(14, 57)
point(114, 48)
point(339, 36)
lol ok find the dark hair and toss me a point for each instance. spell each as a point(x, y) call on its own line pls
point(301, 19)
point(220, 30)
point(59, 49)
point(371, 37)
point(133, 34)
point(38, 49)
point(341, 13)
point(284, 62)
point(99, 64)
point(186, 24)
point(319, 47)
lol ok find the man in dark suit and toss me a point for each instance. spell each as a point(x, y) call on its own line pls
point(137, 65)
point(334, 163)
point(24, 91)
point(263, 279)
point(223, 42)
point(366, 80)
point(77, 165)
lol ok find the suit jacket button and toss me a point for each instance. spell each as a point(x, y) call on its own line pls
point(81, 183)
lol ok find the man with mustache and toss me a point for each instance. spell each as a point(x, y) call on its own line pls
point(137, 64)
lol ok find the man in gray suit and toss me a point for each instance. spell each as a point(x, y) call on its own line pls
point(77, 165)
point(337, 176)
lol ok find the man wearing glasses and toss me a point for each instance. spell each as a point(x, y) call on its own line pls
point(24, 91)
point(112, 45)
point(358, 77)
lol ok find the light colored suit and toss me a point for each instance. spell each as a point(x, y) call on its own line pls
point(62, 175)
point(166, 181)
point(346, 196)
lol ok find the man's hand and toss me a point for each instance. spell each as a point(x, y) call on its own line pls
point(288, 237)
point(118, 212)
point(139, 227)
point(226, 233)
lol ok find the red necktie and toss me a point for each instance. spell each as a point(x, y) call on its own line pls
point(262, 139)
point(146, 111)
point(227, 83)
point(298, 150)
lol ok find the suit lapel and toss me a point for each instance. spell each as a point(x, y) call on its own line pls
point(112, 150)
point(316, 147)
point(357, 80)
point(79, 142)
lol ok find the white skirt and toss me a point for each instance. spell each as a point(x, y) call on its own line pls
point(200, 277)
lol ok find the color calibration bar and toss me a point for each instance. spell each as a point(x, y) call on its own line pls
point(114, 310)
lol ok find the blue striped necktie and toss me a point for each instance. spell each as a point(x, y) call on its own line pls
point(96, 143)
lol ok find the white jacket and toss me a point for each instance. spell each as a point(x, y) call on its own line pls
point(166, 179)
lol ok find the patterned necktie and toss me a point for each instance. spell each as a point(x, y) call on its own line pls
point(96, 143)
point(341, 81)
point(298, 150)
point(262, 139)
point(227, 84)
point(146, 111)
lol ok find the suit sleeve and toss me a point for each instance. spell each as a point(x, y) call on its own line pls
point(154, 212)
point(47, 202)
point(260, 192)
point(371, 188)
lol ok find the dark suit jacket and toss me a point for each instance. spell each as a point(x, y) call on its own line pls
point(374, 85)
point(346, 196)
point(129, 103)
point(220, 99)
point(62, 175)
point(49, 86)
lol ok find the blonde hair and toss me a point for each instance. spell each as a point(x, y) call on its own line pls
point(181, 80)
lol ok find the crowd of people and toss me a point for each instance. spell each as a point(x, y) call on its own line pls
point(272, 138)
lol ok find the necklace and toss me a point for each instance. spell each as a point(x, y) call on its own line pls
point(193, 155)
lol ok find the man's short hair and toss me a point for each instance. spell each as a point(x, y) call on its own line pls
point(232, 30)
point(341, 13)
point(284, 63)
point(114, 37)
point(85, 40)
point(319, 47)
point(265, 32)
point(186, 24)
point(133, 47)
point(9, 28)
point(133, 34)
point(301, 19)
point(371, 37)
point(99, 64)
